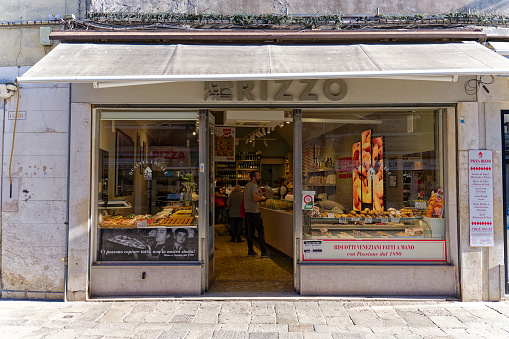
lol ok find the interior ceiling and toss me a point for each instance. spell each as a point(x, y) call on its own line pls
point(286, 132)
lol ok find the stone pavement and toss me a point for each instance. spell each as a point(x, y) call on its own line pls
point(289, 318)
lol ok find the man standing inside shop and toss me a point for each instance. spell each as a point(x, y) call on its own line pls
point(254, 220)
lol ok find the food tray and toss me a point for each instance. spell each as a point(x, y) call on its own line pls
point(177, 221)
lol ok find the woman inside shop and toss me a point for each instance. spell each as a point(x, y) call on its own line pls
point(236, 221)
point(281, 188)
point(220, 196)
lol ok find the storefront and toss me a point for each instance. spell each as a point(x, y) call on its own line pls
point(377, 151)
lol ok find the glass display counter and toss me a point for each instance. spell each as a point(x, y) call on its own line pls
point(373, 228)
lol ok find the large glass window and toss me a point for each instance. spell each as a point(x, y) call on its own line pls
point(373, 186)
point(147, 204)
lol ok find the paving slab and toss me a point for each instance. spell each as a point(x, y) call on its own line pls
point(286, 318)
point(117, 312)
point(173, 335)
point(263, 335)
point(209, 315)
point(234, 327)
point(263, 319)
point(231, 335)
point(312, 316)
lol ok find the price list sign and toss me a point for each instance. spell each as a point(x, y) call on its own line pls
point(481, 197)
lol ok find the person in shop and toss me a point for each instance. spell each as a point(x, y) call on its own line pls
point(162, 244)
point(254, 221)
point(281, 189)
point(220, 197)
point(181, 236)
point(236, 221)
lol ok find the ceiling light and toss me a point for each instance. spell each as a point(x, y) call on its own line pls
point(263, 131)
point(288, 122)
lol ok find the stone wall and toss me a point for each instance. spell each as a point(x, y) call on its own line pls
point(33, 220)
point(298, 6)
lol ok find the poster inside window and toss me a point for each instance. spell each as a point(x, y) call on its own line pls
point(147, 191)
point(375, 176)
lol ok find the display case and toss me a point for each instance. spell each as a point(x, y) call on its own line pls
point(147, 207)
point(361, 228)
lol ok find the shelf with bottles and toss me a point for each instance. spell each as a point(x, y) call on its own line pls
point(288, 163)
point(225, 165)
point(243, 176)
point(248, 156)
point(322, 170)
point(321, 178)
point(248, 165)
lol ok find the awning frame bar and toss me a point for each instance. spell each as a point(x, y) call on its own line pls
point(452, 73)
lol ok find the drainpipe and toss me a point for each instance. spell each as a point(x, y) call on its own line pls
point(66, 258)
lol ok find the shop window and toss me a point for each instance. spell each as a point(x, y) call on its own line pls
point(373, 187)
point(147, 203)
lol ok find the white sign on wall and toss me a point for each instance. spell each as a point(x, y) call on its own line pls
point(480, 174)
point(375, 250)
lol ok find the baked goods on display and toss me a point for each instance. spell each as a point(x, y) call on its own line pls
point(364, 171)
point(177, 221)
point(357, 184)
point(278, 204)
point(371, 213)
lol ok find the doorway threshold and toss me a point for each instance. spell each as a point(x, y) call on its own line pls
point(279, 296)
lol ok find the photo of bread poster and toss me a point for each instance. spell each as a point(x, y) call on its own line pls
point(378, 179)
point(357, 185)
point(366, 164)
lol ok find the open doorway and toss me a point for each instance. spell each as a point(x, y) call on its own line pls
point(243, 146)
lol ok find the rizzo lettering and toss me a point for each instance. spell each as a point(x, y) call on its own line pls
point(277, 90)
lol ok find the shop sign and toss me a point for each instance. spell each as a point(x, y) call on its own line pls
point(149, 244)
point(377, 250)
point(480, 173)
point(173, 157)
point(344, 167)
point(308, 200)
point(312, 246)
point(276, 90)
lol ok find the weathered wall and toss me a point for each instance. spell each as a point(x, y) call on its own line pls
point(20, 46)
point(22, 10)
point(482, 268)
point(33, 222)
point(298, 6)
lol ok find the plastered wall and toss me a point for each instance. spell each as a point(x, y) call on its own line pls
point(20, 10)
point(33, 219)
point(481, 268)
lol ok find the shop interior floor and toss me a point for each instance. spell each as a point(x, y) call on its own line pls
point(236, 272)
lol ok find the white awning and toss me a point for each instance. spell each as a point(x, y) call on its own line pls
point(131, 64)
point(500, 47)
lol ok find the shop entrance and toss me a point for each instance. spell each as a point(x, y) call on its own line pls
point(246, 142)
point(505, 169)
